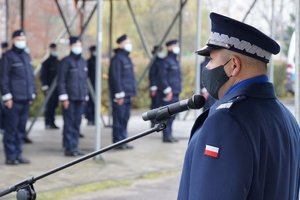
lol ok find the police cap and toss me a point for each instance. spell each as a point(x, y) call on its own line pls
point(121, 38)
point(155, 49)
point(52, 45)
point(236, 36)
point(18, 33)
point(4, 45)
point(74, 39)
point(92, 48)
point(171, 42)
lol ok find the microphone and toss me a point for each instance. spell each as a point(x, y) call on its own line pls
point(165, 112)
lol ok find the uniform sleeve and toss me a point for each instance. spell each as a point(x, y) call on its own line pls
point(62, 75)
point(152, 77)
point(33, 81)
point(115, 76)
point(218, 163)
point(5, 79)
point(43, 76)
point(163, 78)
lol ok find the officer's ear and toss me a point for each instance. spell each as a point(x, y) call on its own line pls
point(236, 65)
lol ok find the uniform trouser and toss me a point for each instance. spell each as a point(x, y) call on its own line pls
point(121, 114)
point(154, 104)
point(1, 115)
point(72, 120)
point(50, 108)
point(90, 110)
point(167, 133)
point(14, 129)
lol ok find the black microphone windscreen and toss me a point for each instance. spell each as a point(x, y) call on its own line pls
point(196, 102)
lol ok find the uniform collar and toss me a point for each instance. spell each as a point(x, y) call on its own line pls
point(171, 54)
point(256, 79)
point(76, 56)
point(17, 50)
point(261, 90)
point(121, 51)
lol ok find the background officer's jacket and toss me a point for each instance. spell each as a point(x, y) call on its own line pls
point(153, 73)
point(169, 76)
point(72, 78)
point(49, 71)
point(257, 140)
point(16, 76)
point(92, 70)
point(121, 75)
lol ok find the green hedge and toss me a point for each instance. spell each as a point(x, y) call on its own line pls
point(142, 100)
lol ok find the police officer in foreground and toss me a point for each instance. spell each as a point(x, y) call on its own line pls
point(48, 73)
point(153, 75)
point(73, 93)
point(90, 108)
point(247, 145)
point(4, 48)
point(169, 84)
point(122, 88)
point(18, 91)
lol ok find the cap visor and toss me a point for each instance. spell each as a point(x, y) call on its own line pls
point(205, 51)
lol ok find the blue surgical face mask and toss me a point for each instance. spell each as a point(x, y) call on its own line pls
point(176, 50)
point(21, 44)
point(128, 47)
point(76, 50)
point(54, 53)
point(161, 54)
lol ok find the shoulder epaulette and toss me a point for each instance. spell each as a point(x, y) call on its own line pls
point(231, 102)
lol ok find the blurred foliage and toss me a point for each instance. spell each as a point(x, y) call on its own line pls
point(142, 100)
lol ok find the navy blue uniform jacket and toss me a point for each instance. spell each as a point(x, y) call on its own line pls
point(49, 71)
point(246, 149)
point(121, 75)
point(16, 76)
point(92, 70)
point(72, 78)
point(169, 75)
point(153, 73)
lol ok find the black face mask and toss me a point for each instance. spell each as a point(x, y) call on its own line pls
point(213, 79)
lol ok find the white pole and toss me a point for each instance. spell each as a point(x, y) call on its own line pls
point(271, 71)
point(198, 46)
point(98, 76)
point(297, 63)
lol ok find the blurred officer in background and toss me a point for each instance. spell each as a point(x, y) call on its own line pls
point(122, 88)
point(247, 145)
point(209, 99)
point(48, 73)
point(4, 48)
point(169, 84)
point(18, 91)
point(73, 93)
point(153, 75)
point(90, 108)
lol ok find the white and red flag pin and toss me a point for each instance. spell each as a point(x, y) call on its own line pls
point(211, 151)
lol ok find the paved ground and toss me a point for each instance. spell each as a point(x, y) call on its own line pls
point(151, 168)
point(150, 171)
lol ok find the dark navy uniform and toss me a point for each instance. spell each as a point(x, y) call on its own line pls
point(122, 85)
point(254, 141)
point(72, 86)
point(169, 79)
point(48, 73)
point(247, 145)
point(4, 46)
point(153, 76)
point(90, 109)
point(17, 84)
